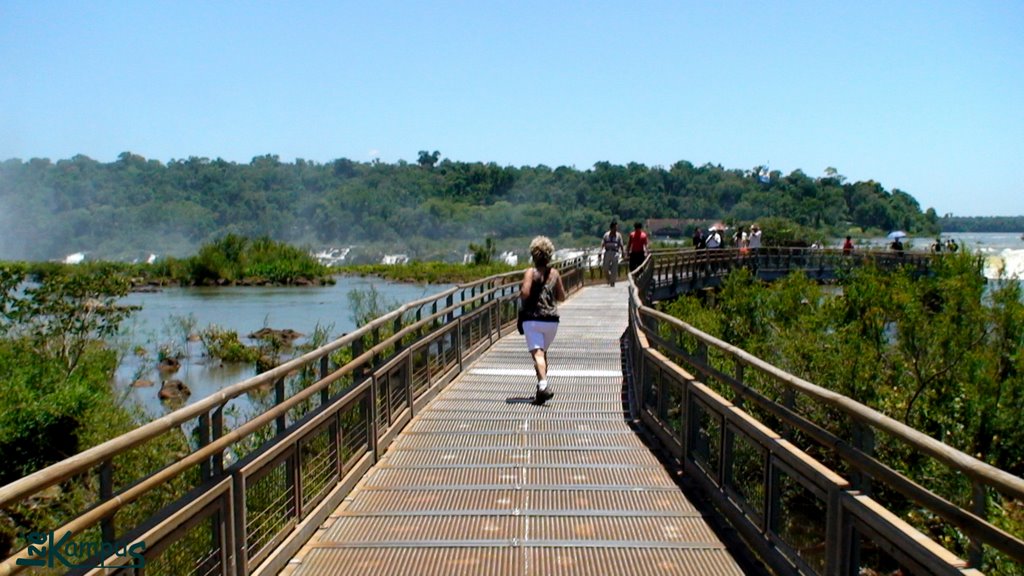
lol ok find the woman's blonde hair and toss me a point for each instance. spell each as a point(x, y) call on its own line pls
point(541, 250)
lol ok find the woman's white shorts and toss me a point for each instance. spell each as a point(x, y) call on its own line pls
point(539, 334)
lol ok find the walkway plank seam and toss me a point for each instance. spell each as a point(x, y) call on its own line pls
point(484, 482)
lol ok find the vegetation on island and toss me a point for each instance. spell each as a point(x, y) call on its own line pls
point(231, 260)
point(429, 272)
point(130, 208)
point(940, 352)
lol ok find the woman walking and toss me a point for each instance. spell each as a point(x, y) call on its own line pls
point(612, 247)
point(541, 291)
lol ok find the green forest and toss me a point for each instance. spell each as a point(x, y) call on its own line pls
point(133, 206)
point(952, 223)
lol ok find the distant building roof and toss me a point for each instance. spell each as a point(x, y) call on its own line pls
point(669, 226)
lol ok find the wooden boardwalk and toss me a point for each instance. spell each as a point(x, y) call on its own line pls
point(484, 482)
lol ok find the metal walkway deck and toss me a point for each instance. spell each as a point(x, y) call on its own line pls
point(484, 482)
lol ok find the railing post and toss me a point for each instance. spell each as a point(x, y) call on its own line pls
point(490, 325)
point(863, 440)
point(837, 545)
point(203, 432)
point(632, 372)
point(374, 361)
point(216, 432)
point(357, 350)
point(293, 471)
point(397, 327)
point(458, 343)
point(281, 420)
point(107, 528)
point(325, 368)
point(773, 498)
point(979, 506)
point(789, 402)
point(725, 455)
point(239, 511)
point(372, 418)
point(738, 376)
point(409, 393)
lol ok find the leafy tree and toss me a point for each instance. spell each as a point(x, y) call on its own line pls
point(483, 253)
point(64, 314)
point(52, 336)
point(428, 159)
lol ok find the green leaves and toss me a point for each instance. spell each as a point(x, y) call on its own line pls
point(63, 314)
point(57, 367)
point(941, 352)
point(236, 259)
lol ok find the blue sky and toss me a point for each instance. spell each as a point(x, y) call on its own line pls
point(927, 97)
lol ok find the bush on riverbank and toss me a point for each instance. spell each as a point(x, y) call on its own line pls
point(429, 272)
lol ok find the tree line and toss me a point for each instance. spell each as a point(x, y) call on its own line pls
point(134, 206)
point(950, 223)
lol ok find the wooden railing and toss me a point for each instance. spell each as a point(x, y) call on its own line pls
point(745, 431)
point(673, 272)
point(242, 500)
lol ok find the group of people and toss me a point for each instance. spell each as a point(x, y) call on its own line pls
point(741, 239)
point(897, 245)
point(950, 245)
point(636, 248)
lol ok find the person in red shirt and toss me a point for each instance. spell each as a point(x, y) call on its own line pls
point(848, 245)
point(638, 246)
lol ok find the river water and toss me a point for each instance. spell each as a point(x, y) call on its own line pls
point(168, 316)
point(248, 309)
point(1000, 250)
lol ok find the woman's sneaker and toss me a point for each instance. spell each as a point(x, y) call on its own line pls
point(542, 397)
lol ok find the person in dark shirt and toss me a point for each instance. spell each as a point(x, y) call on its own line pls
point(698, 239)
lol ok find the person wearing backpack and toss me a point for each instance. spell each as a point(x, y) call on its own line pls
point(540, 294)
point(714, 239)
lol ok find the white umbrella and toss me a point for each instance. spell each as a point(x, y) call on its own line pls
point(897, 234)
